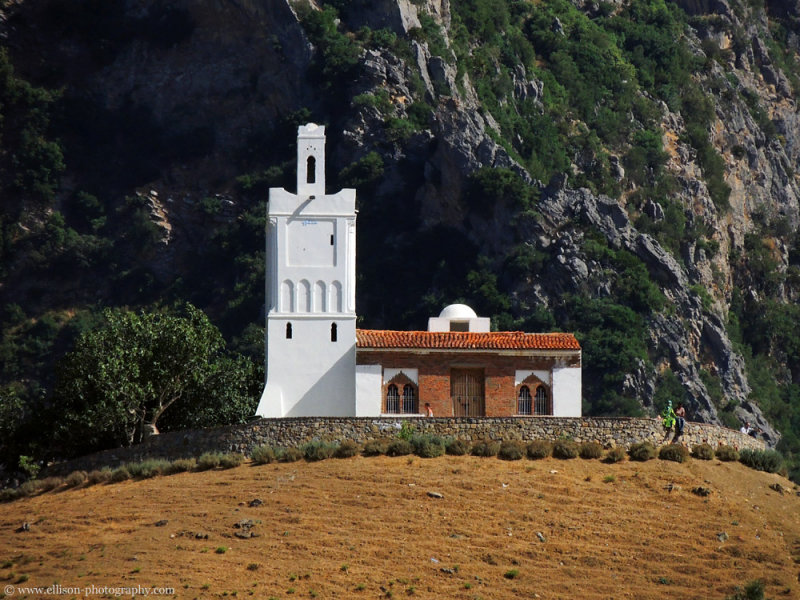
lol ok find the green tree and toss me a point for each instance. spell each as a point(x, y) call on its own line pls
point(30, 163)
point(143, 369)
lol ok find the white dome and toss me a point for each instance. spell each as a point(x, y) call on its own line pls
point(457, 312)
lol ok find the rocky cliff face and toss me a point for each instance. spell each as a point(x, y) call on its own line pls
point(224, 74)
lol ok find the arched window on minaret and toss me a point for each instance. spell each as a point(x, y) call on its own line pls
point(311, 170)
point(333, 332)
point(288, 331)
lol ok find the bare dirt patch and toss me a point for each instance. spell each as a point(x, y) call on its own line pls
point(370, 528)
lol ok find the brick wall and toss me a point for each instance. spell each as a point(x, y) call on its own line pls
point(296, 431)
point(434, 375)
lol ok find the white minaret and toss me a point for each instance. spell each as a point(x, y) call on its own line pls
point(310, 291)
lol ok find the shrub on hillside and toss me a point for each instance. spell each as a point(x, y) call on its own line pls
point(9, 494)
point(347, 449)
point(39, 486)
point(375, 447)
point(752, 591)
point(230, 460)
point(727, 453)
point(457, 447)
point(485, 449)
point(674, 452)
point(761, 460)
point(590, 450)
point(28, 488)
point(148, 468)
point(642, 451)
point(208, 460)
point(76, 478)
point(428, 446)
point(703, 452)
point(318, 450)
point(399, 447)
point(511, 450)
point(119, 474)
point(615, 455)
point(99, 476)
point(181, 465)
point(263, 455)
point(539, 449)
point(291, 454)
point(565, 449)
point(50, 483)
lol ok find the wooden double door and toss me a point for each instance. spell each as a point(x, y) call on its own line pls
point(467, 392)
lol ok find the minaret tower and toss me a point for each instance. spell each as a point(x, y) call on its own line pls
point(310, 292)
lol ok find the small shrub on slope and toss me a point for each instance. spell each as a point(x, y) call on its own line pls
point(727, 453)
point(181, 465)
point(231, 460)
point(119, 474)
point(539, 449)
point(674, 452)
point(289, 454)
point(400, 447)
point(263, 455)
point(375, 447)
point(591, 450)
point(148, 468)
point(615, 455)
point(314, 451)
point(76, 478)
point(752, 591)
point(428, 446)
point(770, 461)
point(208, 460)
point(511, 450)
point(642, 451)
point(457, 447)
point(347, 449)
point(565, 449)
point(99, 476)
point(485, 449)
point(703, 452)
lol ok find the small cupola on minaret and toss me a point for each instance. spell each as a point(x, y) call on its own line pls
point(311, 160)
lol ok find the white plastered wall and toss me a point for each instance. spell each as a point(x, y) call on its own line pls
point(369, 390)
point(567, 392)
point(306, 383)
point(520, 376)
point(412, 374)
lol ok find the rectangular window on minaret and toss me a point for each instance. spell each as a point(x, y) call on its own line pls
point(308, 243)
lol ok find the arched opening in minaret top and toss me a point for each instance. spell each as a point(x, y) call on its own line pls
point(311, 170)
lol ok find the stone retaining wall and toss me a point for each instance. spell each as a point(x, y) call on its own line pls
point(297, 431)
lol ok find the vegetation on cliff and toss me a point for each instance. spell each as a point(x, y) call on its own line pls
point(678, 115)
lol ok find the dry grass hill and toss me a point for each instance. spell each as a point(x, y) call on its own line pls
point(377, 528)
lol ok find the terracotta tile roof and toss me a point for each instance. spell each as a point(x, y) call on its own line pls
point(500, 340)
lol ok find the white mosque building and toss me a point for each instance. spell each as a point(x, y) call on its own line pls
point(319, 364)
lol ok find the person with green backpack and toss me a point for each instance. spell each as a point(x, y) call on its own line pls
point(668, 417)
point(673, 418)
